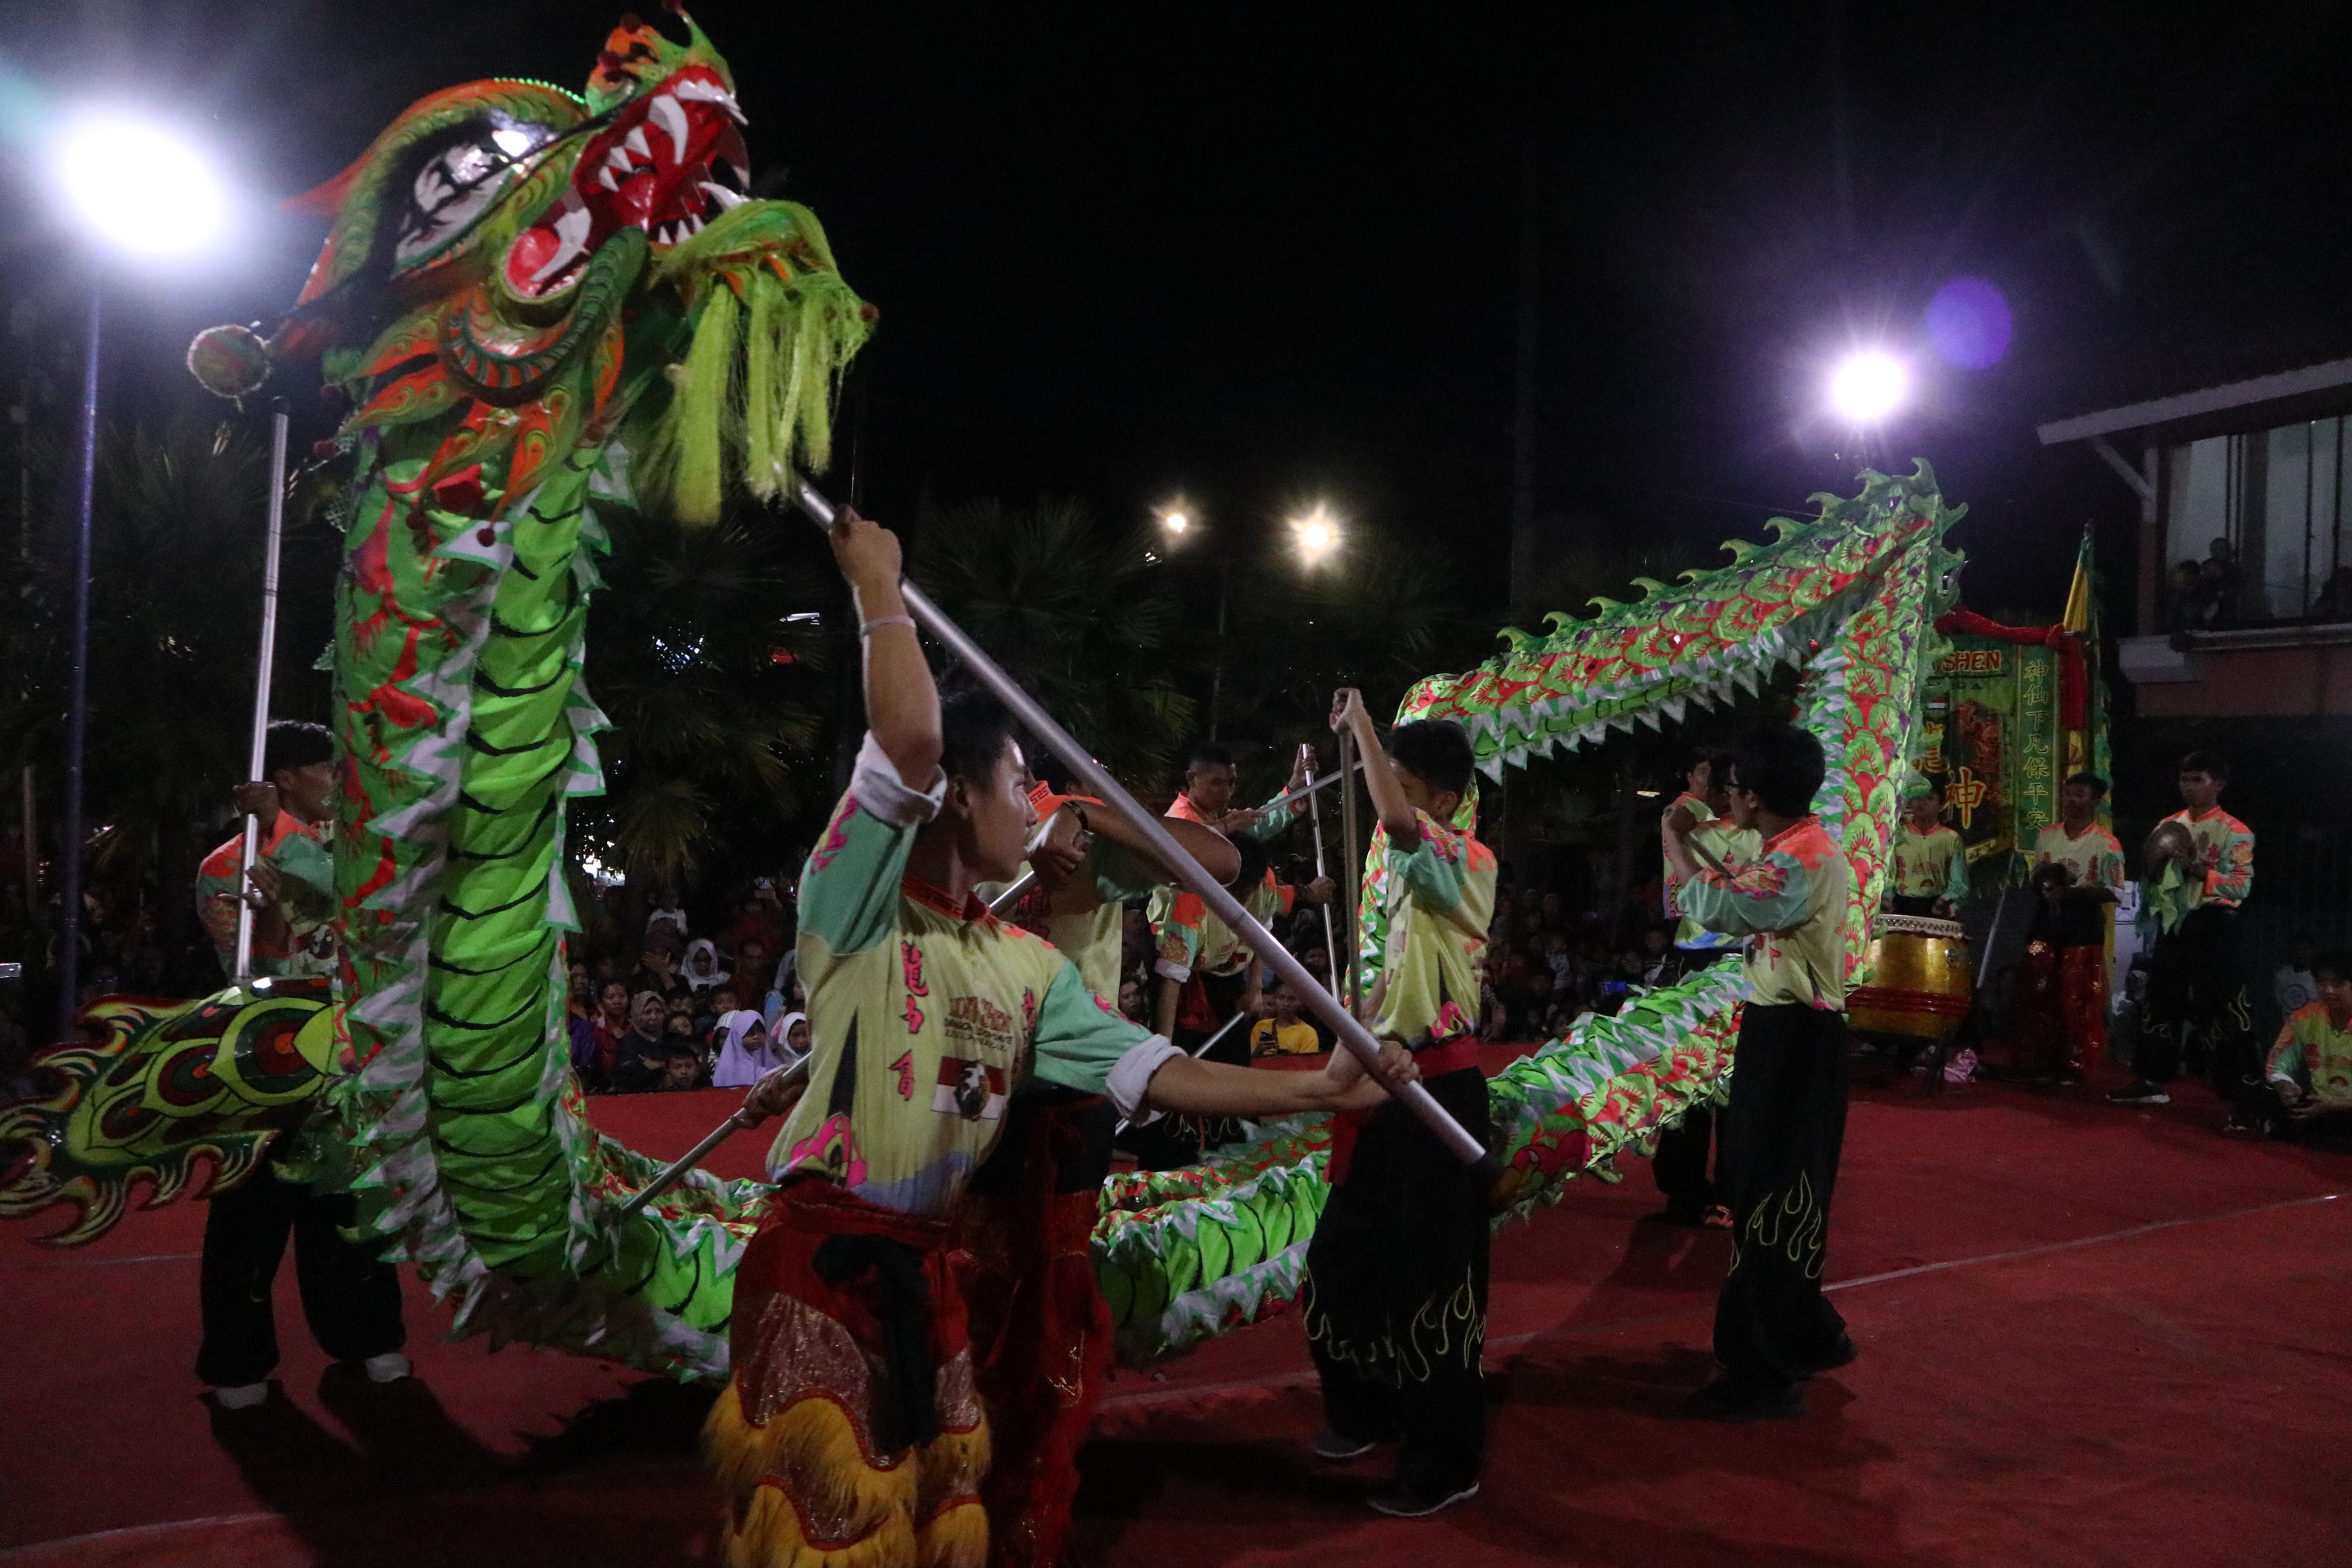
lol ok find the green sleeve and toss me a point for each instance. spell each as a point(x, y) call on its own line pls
point(1432, 871)
point(307, 868)
point(1270, 827)
point(1081, 1037)
point(1956, 876)
point(1120, 873)
point(849, 889)
point(1765, 895)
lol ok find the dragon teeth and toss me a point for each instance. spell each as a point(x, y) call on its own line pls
point(670, 115)
point(635, 141)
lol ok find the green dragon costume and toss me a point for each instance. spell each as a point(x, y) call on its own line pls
point(542, 304)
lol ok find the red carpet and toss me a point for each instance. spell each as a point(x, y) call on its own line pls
point(2089, 1337)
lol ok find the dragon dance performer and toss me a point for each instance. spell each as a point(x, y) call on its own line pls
point(1680, 1165)
point(854, 1431)
point(2060, 1002)
point(1040, 1329)
point(1786, 1123)
point(351, 1297)
point(1195, 951)
point(2307, 1092)
point(1207, 974)
point(2195, 983)
point(1931, 863)
point(1395, 1290)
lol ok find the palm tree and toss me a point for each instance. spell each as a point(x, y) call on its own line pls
point(174, 595)
point(715, 695)
point(1075, 613)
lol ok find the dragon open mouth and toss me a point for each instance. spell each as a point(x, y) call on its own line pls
point(668, 162)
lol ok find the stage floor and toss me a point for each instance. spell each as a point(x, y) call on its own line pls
point(2088, 1336)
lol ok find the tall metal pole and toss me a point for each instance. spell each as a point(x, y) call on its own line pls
point(1351, 866)
point(1217, 669)
point(1163, 844)
point(257, 755)
point(1315, 817)
point(77, 684)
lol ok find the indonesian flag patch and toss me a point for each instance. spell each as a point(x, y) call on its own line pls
point(973, 1090)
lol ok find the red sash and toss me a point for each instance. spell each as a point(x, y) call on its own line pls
point(1434, 1061)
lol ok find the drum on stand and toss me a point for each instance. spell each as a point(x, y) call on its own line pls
point(1923, 978)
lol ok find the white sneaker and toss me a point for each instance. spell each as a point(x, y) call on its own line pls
point(241, 1396)
point(389, 1367)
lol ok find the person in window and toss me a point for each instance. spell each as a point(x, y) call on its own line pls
point(2335, 600)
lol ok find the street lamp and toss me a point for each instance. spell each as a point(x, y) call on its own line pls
point(1177, 521)
point(1867, 386)
point(1316, 536)
point(140, 190)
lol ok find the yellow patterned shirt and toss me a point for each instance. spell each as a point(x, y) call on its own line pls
point(1731, 846)
point(2312, 1044)
point(2224, 872)
point(1930, 865)
point(923, 1017)
point(1790, 902)
point(1440, 898)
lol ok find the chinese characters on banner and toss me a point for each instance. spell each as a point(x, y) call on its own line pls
point(1994, 743)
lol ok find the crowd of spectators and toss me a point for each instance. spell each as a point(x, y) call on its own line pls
point(689, 1011)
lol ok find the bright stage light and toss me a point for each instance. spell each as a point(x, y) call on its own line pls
point(1316, 535)
point(1867, 387)
point(1175, 522)
point(139, 188)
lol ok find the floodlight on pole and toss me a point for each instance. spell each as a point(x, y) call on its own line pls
point(1316, 535)
point(1176, 521)
point(141, 192)
point(139, 188)
point(1867, 386)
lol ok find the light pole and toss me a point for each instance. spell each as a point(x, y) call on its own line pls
point(1178, 523)
point(141, 192)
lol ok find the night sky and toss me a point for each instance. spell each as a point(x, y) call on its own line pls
point(1266, 253)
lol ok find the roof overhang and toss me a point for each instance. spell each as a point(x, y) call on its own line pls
point(2294, 393)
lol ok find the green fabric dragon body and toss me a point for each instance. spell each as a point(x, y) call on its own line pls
point(543, 305)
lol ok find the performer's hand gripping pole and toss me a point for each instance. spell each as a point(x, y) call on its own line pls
point(1187, 870)
point(259, 755)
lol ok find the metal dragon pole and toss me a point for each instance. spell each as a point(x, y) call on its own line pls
point(1351, 866)
point(1187, 870)
point(676, 1169)
point(256, 756)
point(77, 685)
point(1330, 937)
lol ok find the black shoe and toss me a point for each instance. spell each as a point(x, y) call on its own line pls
point(2140, 1091)
point(1730, 1398)
point(1330, 1445)
point(1842, 1355)
point(1399, 1503)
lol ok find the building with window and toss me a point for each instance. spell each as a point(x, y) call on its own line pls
point(2243, 603)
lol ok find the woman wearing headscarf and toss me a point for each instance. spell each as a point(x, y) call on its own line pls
point(744, 1054)
point(703, 971)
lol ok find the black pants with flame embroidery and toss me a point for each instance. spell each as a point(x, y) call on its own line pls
point(1782, 1133)
point(1395, 1294)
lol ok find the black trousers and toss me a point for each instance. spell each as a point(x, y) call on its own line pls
point(1395, 1297)
point(1782, 1133)
point(2196, 987)
point(1680, 1165)
point(351, 1297)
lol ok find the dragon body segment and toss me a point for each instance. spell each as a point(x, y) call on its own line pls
point(544, 305)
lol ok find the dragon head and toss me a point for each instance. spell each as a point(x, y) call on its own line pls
point(514, 186)
point(662, 144)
